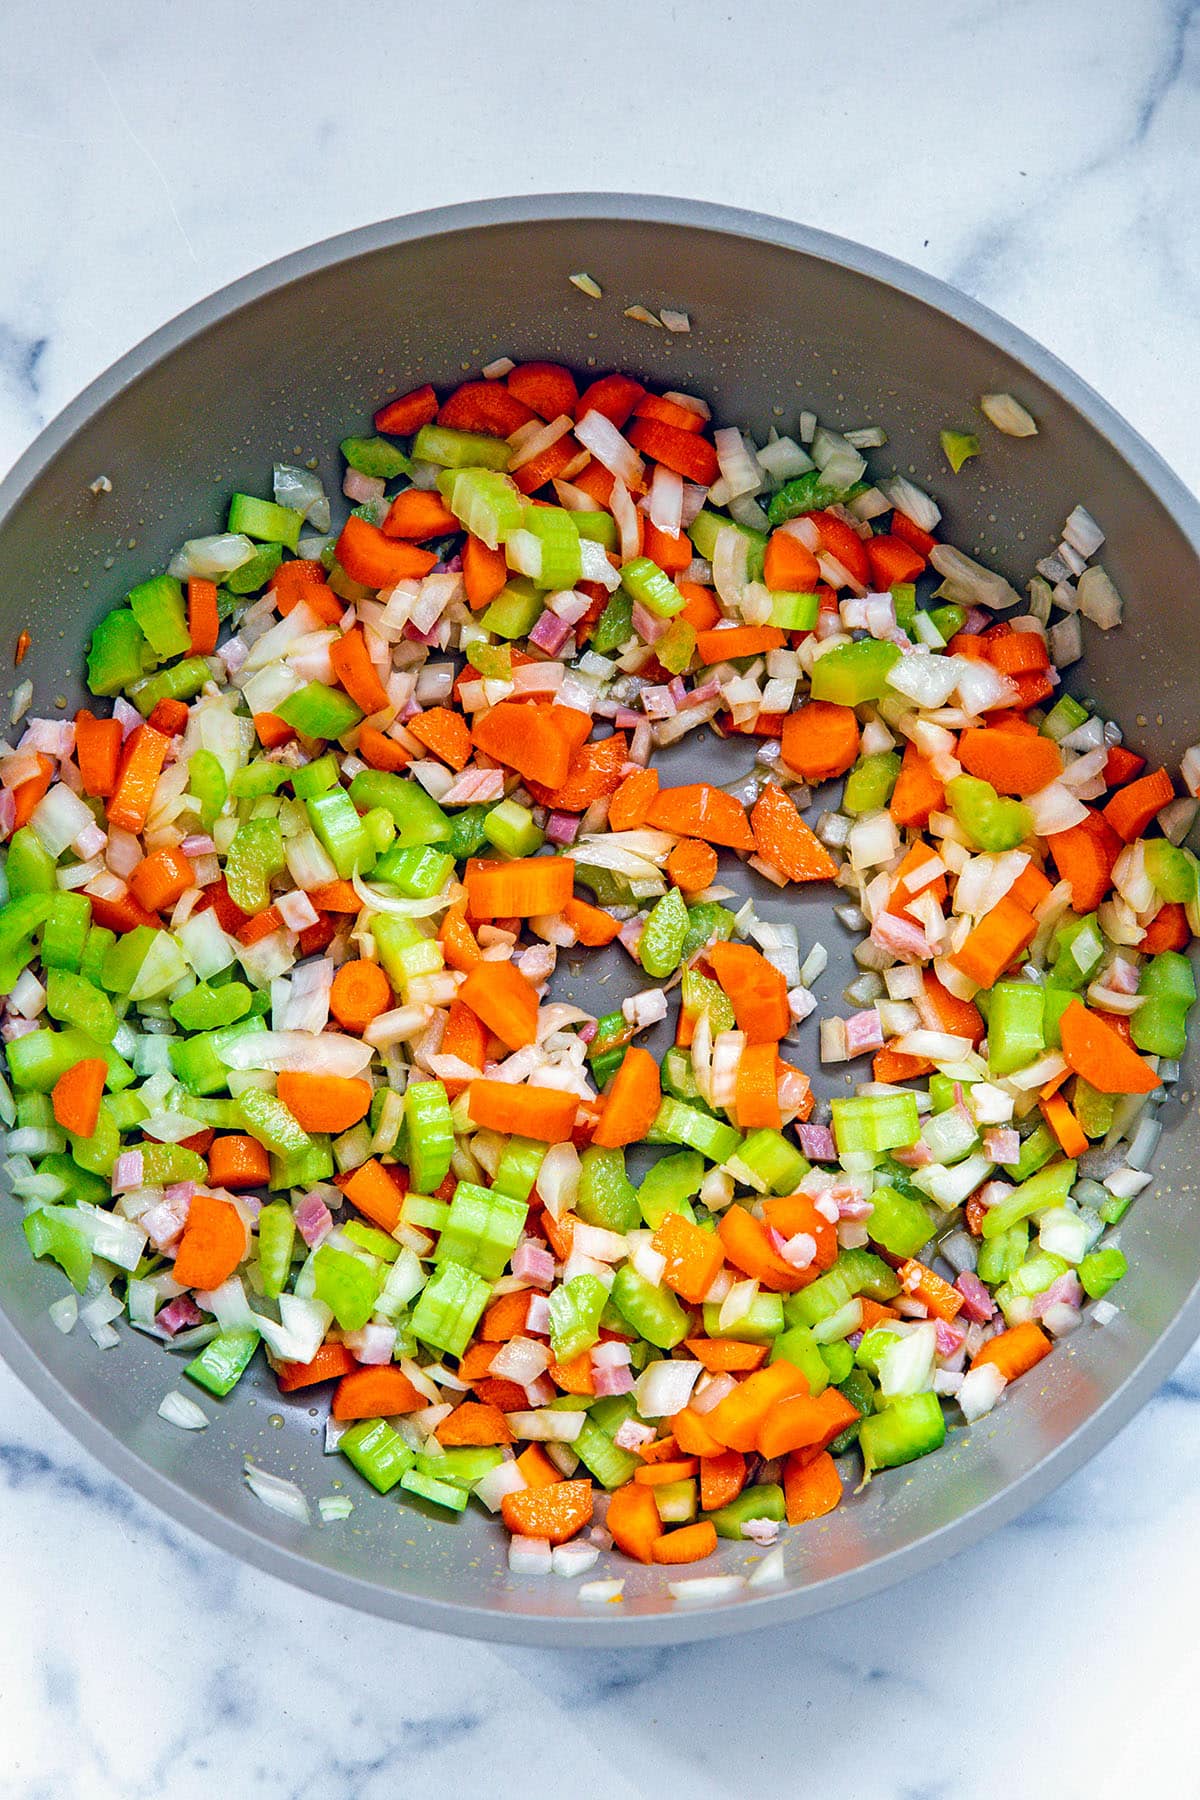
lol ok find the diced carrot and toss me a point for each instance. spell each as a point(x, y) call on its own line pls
point(1014, 1352)
point(750, 1249)
point(1014, 764)
point(371, 1189)
point(810, 1489)
point(917, 792)
point(700, 609)
point(360, 993)
point(352, 665)
point(465, 1036)
point(693, 1257)
point(575, 1376)
point(1122, 766)
point(485, 406)
point(800, 1422)
point(203, 621)
point(29, 793)
point(892, 561)
point(445, 733)
point(272, 731)
point(631, 802)
point(895, 1066)
point(722, 1479)
point(377, 561)
point(324, 1102)
point(782, 838)
point(417, 514)
point(170, 717)
point(595, 481)
point(546, 1114)
point(661, 1474)
point(375, 1392)
point(727, 1355)
point(593, 772)
point(238, 1161)
point(1095, 1051)
point(505, 1318)
point(820, 740)
point(141, 765)
point(485, 572)
point(699, 810)
point(790, 1214)
point(693, 1435)
point(213, 1242)
point(672, 554)
point(525, 888)
point(553, 463)
point(381, 752)
point(591, 924)
point(756, 989)
point(737, 1420)
point(1072, 1139)
point(613, 395)
point(904, 528)
point(536, 1467)
point(336, 897)
point(925, 1285)
point(1085, 856)
point(668, 412)
point(76, 1095)
point(547, 387)
point(1167, 930)
point(98, 752)
point(685, 1544)
point(161, 879)
point(331, 1361)
point(554, 1513)
point(687, 452)
point(843, 543)
point(1031, 887)
point(406, 414)
point(630, 1102)
point(472, 1422)
point(994, 942)
point(734, 641)
point(941, 1010)
point(1132, 808)
point(756, 1099)
point(634, 1521)
point(692, 865)
point(458, 940)
point(789, 567)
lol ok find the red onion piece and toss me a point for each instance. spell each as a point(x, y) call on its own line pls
point(978, 1305)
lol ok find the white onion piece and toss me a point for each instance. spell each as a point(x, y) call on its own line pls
point(281, 1496)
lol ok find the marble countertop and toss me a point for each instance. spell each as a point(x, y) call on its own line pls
point(1040, 156)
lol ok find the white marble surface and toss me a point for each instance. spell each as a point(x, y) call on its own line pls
point(1043, 156)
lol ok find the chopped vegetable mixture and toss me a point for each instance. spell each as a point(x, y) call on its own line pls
point(282, 914)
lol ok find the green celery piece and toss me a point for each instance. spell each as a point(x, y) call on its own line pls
point(958, 446)
point(870, 782)
point(450, 1307)
point(159, 608)
point(867, 1274)
point(441, 1493)
point(378, 1452)
point(1049, 1187)
point(404, 950)
point(804, 494)
point(774, 1163)
point(222, 1363)
point(904, 604)
point(305, 1168)
point(1064, 717)
point(762, 1323)
point(493, 661)
point(676, 1123)
point(606, 1196)
point(197, 1062)
point(347, 1285)
point(418, 817)
point(1172, 870)
point(558, 536)
point(798, 1346)
point(276, 1241)
point(850, 674)
point(703, 533)
point(700, 994)
point(98, 1153)
point(859, 1390)
point(264, 521)
point(51, 1232)
point(899, 1223)
point(182, 681)
point(517, 1170)
point(418, 872)
point(249, 576)
point(1093, 1109)
point(706, 920)
point(605, 1066)
point(575, 1310)
point(615, 625)
point(511, 828)
point(316, 777)
point(257, 778)
point(464, 833)
point(481, 1231)
point(677, 646)
point(317, 711)
point(762, 1501)
point(459, 449)
point(65, 932)
point(1015, 1026)
point(118, 654)
point(36, 1060)
point(1160, 1024)
point(462, 1464)
point(255, 855)
point(73, 1001)
point(374, 456)
point(948, 620)
point(205, 1008)
point(30, 870)
point(663, 935)
point(269, 1120)
point(76, 1182)
point(652, 1312)
point(514, 612)
point(430, 1134)
point(165, 1163)
point(1102, 1269)
point(208, 783)
point(651, 588)
point(336, 824)
point(906, 1428)
point(990, 821)
point(1000, 1257)
point(794, 612)
point(670, 1186)
point(488, 504)
point(611, 1466)
point(875, 1122)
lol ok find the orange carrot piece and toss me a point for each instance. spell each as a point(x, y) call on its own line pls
point(749, 1249)
point(896, 1066)
point(505, 1000)
point(377, 561)
point(941, 1010)
point(693, 1435)
point(485, 406)
point(331, 1361)
point(360, 993)
point(466, 1035)
point(324, 1102)
point(789, 567)
point(1072, 1139)
point(692, 865)
point(336, 897)
point(722, 1479)
point(820, 740)
point(1097, 1052)
point(737, 1420)
point(529, 739)
point(613, 395)
point(810, 1489)
point(757, 990)
point(555, 1513)
point(546, 1114)
point(213, 1241)
point(30, 793)
point(551, 464)
point(272, 731)
point(757, 1094)
point(351, 663)
point(700, 609)
point(733, 641)
point(170, 717)
point(547, 387)
point(1031, 887)
point(203, 622)
point(693, 1257)
point(1014, 764)
point(660, 1474)
point(781, 837)
point(474, 1422)
point(789, 1214)
point(1085, 855)
point(238, 1161)
point(485, 572)
point(593, 772)
point(375, 1392)
point(631, 1101)
point(727, 1355)
point(1167, 930)
point(917, 792)
point(77, 1093)
point(700, 811)
point(1014, 1352)
point(141, 765)
point(505, 1318)
point(381, 752)
point(458, 940)
point(687, 452)
point(672, 554)
point(685, 1544)
point(536, 1467)
point(1122, 765)
point(525, 888)
point(659, 1450)
point(97, 751)
point(668, 412)
point(161, 879)
point(417, 514)
point(996, 940)
point(372, 1190)
point(575, 1376)
point(942, 1300)
point(1132, 808)
point(408, 412)
point(446, 733)
point(800, 1422)
point(631, 803)
point(633, 1520)
point(591, 924)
